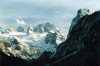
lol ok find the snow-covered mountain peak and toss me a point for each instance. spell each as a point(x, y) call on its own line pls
point(46, 27)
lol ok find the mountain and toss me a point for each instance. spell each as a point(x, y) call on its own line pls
point(81, 48)
point(50, 32)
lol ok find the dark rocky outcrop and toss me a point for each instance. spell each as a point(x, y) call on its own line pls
point(43, 59)
point(82, 45)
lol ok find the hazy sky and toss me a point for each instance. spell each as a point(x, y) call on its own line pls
point(58, 12)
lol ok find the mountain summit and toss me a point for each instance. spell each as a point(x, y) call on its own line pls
point(80, 13)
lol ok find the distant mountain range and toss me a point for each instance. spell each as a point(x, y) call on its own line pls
point(30, 43)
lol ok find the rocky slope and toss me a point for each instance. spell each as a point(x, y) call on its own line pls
point(14, 47)
point(6, 60)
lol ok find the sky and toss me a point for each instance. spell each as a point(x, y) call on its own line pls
point(57, 12)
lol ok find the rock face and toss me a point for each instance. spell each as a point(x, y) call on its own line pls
point(3, 31)
point(54, 37)
point(29, 30)
point(82, 46)
point(20, 29)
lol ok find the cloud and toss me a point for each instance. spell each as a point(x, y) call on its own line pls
point(20, 21)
